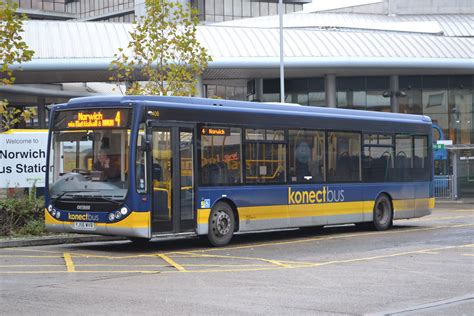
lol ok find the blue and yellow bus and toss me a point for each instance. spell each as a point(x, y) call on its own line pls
point(145, 166)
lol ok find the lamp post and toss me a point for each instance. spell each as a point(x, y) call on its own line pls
point(282, 68)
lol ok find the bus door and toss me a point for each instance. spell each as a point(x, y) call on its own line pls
point(173, 178)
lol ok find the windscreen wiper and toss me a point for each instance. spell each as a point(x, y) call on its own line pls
point(102, 199)
point(64, 193)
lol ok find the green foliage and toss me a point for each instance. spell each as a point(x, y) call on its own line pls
point(166, 52)
point(12, 50)
point(21, 215)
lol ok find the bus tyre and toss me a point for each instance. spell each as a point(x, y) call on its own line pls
point(383, 213)
point(221, 224)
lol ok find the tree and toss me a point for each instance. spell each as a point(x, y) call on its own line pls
point(12, 50)
point(166, 54)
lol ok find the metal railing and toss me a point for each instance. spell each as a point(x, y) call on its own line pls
point(445, 187)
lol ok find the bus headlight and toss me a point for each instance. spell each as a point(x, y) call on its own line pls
point(118, 215)
point(58, 214)
point(53, 212)
point(124, 211)
point(50, 208)
point(111, 217)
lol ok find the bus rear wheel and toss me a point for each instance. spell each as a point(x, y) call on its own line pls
point(221, 224)
point(383, 213)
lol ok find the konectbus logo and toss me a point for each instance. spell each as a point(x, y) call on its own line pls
point(325, 195)
point(83, 217)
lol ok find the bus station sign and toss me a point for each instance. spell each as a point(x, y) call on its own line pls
point(23, 158)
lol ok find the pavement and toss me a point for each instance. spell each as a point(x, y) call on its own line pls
point(422, 266)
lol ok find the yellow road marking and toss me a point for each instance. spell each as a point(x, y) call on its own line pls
point(282, 263)
point(278, 263)
point(172, 262)
point(435, 218)
point(69, 263)
point(268, 244)
point(431, 252)
point(274, 267)
point(468, 254)
point(305, 240)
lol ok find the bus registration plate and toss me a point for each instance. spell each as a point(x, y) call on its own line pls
point(84, 226)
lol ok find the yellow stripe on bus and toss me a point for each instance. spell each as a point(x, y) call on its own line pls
point(307, 210)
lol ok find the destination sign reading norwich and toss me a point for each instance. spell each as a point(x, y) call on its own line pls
point(97, 118)
point(215, 131)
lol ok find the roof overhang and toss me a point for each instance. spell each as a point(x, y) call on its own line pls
point(97, 69)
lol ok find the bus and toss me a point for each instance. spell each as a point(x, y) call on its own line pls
point(193, 166)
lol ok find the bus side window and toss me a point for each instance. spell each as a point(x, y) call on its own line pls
point(307, 156)
point(403, 157)
point(344, 157)
point(221, 157)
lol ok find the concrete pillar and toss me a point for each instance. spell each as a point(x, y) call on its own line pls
point(199, 88)
point(455, 175)
point(394, 94)
point(42, 112)
point(330, 90)
point(259, 89)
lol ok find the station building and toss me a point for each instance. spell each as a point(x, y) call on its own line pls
point(378, 55)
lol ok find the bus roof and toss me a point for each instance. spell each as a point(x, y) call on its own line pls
point(258, 115)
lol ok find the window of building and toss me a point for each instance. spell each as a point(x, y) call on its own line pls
point(307, 156)
point(435, 101)
point(460, 106)
point(265, 156)
point(376, 87)
point(411, 102)
point(221, 156)
point(351, 93)
point(344, 157)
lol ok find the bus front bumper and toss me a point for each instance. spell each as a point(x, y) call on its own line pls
point(137, 224)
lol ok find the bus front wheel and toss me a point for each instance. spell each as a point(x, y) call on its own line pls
point(221, 224)
point(383, 213)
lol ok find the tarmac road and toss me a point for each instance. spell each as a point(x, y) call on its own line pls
point(420, 267)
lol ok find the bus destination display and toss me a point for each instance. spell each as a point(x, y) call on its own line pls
point(96, 118)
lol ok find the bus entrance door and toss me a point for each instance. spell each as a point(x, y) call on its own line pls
point(173, 179)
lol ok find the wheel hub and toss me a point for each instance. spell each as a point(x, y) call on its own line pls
point(223, 223)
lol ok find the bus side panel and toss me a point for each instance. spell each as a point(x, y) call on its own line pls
point(401, 194)
point(258, 209)
point(424, 200)
point(404, 201)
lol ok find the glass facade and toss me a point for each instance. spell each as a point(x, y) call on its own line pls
point(225, 92)
point(446, 99)
point(226, 10)
point(44, 5)
point(83, 8)
point(363, 93)
point(301, 91)
point(90, 8)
